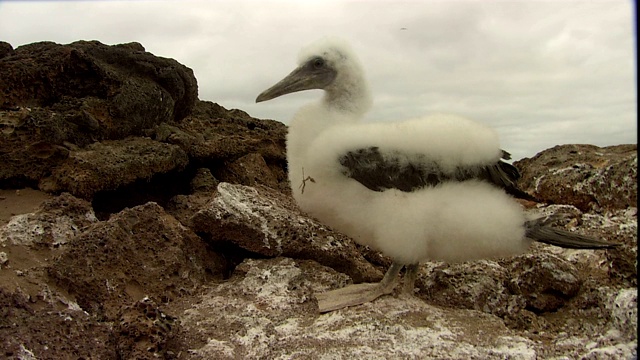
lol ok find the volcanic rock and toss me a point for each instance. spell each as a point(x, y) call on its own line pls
point(55, 98)
point(136, 253)
point(268, 223)
point(585, 176)
point(121, 89)
point(111, 164)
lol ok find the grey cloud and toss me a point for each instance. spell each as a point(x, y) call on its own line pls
point(541, 73)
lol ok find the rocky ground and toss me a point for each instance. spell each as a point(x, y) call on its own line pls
point(137, 221)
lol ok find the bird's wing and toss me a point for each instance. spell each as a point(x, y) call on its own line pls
point(380, 171)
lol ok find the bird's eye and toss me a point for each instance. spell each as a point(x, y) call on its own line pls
point(318, 63)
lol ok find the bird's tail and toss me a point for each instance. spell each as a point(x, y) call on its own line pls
point(539, 230)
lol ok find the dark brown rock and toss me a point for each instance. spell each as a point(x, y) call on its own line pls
point(218, 138)
point(37, 330)
point(47, 324)
point(545, 281)
point(111, 164)
point(123, 87)
point(31, 143)
point(57, 98)
point(203, 181)
point(144, 331)
point(586, 176)
point(136, 253)
point(249, 170)
point(213, 132)
point(5, 49)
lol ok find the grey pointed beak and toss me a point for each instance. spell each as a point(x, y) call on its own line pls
point(298, 80)
point(305, 77)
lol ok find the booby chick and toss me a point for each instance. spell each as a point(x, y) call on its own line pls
point(434, 188)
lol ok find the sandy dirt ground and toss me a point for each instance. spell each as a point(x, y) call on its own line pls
point(21, 201)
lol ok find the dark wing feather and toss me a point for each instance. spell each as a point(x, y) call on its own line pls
point(505, 176)
point(394, 171)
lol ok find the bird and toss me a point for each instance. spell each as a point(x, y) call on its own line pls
point(431, 188)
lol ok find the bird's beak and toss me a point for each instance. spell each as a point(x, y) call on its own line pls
point(298, 80)
point(302, 78)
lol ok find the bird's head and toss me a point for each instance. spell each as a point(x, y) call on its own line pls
point(328, 65)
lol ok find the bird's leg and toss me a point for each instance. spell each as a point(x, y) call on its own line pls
point(388, 282)
point(360, 293)
point(410, 276)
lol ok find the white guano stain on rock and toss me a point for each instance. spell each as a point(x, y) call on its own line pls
point(234, 199)
point(624, 310)
point(36, 227)
point(22, 230)
point(271, 310)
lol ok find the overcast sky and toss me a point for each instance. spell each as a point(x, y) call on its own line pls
point(542, 73)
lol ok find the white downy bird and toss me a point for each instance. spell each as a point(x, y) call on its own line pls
point(433, 188)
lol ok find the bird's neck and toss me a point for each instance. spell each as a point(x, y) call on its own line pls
point(351, 98)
